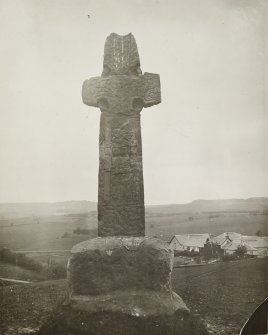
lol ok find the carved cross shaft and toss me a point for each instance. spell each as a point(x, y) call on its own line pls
point(121, 93)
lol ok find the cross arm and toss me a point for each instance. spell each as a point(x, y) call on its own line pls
point(151, 89)
point(90, 91)
point(120, 90)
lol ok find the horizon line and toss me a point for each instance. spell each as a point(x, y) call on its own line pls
point(160, 204)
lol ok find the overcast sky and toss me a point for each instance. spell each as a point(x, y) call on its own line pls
point(207, 139)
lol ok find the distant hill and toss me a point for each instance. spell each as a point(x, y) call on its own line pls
point(19, 210)
point(221, 205)
point(245, 216)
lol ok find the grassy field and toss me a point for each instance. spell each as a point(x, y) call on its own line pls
point(40, 226)
point(166, 226)
point(17, 272)
point(225, 294)
point(46, 233)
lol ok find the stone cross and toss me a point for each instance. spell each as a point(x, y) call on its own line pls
point(120, 281)
point(121, 92)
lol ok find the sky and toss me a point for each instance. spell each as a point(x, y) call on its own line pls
point(206, 140)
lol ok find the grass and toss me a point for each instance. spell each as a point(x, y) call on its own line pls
point(27, 234)
point(19, 266)
point(24, 306)
point(17, 272)
point(226, 294)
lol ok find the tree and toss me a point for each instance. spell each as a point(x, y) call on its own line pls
point(240, 251)
point(211, 250)
point(259, 233)
point(208, 250)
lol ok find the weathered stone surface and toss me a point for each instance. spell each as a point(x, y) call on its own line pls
point(121, 55)
point(121, 93)
point(104, 265)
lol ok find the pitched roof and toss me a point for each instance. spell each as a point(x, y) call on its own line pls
point(192, 240)
point(250, 242)
point(231, 246)
point(231, 235)
point(255, 241)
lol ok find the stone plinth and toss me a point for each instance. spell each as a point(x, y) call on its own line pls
point(122, 285)
point(102, 266)
point(131, 275)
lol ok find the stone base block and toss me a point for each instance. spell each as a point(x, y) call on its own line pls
point(122, 285)
point(107, 264)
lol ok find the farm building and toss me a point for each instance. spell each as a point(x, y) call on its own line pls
point(228, 242)
point(256, 246)
point(226, 237)
point(189, 242)
point(231, 246)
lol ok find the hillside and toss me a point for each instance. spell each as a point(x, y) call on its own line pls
point(245, 216)
point(221, 205)
point(51, 226)
point(20, 210)
point(41, 209)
